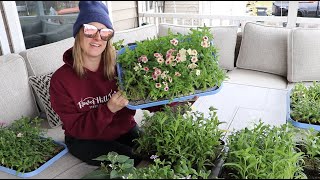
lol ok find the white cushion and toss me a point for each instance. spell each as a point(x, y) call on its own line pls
point(41, 85)
point(136, 34)
point(264, 48)
point(225, 38)
point(47, 58)
point(16, 99)
point(304, 55)
point(256, 78)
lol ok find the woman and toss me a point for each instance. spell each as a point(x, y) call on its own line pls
point(83, 92)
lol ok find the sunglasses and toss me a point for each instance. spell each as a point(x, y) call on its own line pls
point(91, 31)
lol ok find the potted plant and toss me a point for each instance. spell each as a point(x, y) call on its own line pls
point(25, 151)
point(182, 135)
point(263, 152)
point(176, 142)
point(309, 145)
point(170, 67)
point(303, 104)
point(114, 166)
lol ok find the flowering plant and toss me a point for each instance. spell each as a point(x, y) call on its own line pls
point(170, 66)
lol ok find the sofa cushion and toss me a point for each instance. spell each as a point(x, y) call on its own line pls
point(136, 34)
point(303, 55)
point(16, 98)
point(256, 78)
point(224, 39)
point(47, 58)
point(264, 48)
point(41, 85)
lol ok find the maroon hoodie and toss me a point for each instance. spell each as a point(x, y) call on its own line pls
point(82, 103)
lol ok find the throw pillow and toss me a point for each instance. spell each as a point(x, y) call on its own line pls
point(264, 48)
point(40, 85)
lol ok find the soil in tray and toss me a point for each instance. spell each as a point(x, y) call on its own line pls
point(310, 170)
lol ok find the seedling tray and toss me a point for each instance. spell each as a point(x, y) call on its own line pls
point(134, 106)
point(296, 123)
point(39, 169)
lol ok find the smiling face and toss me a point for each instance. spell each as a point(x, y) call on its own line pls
point(92, 47)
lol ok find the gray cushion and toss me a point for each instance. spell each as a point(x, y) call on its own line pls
point(224, 39)
point(303, 55)
point(47, 58)
point(16, 98)
point(136, 34)
point(264, 48)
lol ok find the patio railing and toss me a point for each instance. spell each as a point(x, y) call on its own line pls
point(218, 20)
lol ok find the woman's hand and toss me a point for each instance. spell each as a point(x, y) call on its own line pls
point(117, 102)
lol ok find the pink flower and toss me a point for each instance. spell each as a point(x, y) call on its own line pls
point(170, 51)
point(160, 60)
point(166, 88)
point(168, 61)
point(154, 77)
point(205, 44)
point(143, 58)
point(205, 38)
point(157, 71)
point(157, 55)
point(174, 42)
point(146, 69)
point(158, 85)
point(194, 59)
point(165, 83)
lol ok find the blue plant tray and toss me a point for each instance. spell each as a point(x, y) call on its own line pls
point(41, 168)
point(296, 123)
point(212, 90)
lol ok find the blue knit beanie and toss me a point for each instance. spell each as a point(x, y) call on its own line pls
point(92, 11)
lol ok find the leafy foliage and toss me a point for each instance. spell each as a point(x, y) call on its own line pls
point(264, 152)
point(305, 103)
point(171, 66)
point(23, 147)
point(177, 136)
point(121, 167)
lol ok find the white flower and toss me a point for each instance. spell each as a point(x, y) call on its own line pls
point(182, 51)
point(198, 72)
point(192, 65)
point(194, 52)
point(189, 51)
point(19, 135)
point(154, 157)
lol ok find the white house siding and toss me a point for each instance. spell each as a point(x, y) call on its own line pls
point(191, 7)
point(124, 14)
point(236, 8)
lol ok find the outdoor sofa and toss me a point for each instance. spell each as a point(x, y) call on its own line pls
point(266, 57)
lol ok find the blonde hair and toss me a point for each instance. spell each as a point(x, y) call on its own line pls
point(108, 57)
